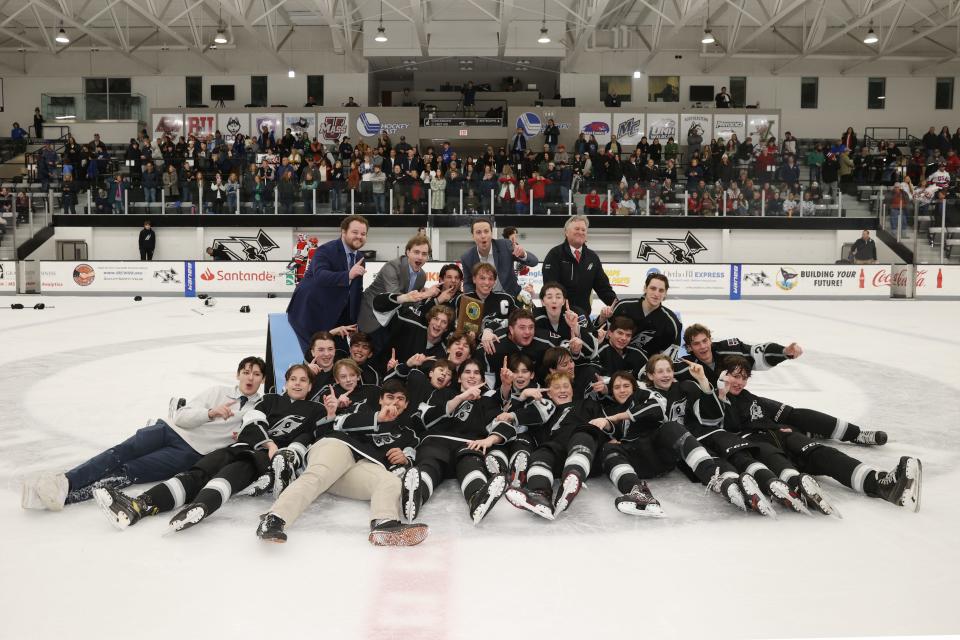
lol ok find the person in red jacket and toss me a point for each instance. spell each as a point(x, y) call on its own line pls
point(694, 204)
point(591, 205)
point(523, 197)
point(539, 185)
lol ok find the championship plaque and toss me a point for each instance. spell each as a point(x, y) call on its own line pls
point(469, 313)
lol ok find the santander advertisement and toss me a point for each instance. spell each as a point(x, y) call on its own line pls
point(244, 277)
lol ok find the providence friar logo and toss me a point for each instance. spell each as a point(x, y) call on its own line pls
point(248, 248)
point(671, 250)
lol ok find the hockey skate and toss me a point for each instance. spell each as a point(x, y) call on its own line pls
point(121, 510)
point(394, 533)
point(639, 502)
point(902, 485)
point(814, 496)
point(780, 492)
point(410, 497)
point(537, 501)
point(570, 485)
point(518, 469)
point(727, 485)
point(483, 500)
point(755, 499)
point(871, 437)
point(493, 464)
point(270, 528)
point(284, 465)
point(187, 517)
point(259, 486)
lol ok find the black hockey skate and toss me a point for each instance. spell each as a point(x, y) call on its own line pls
point(902, 485)
point(639, 502)
point(284, 465)
point(121, 510)
point(270, 528)
point(814, 496)
point(782, 493)
point(394, 533)
point(570, 485)
point(411, 498)
point(871, 437)
point(728, 486)
point(483, 500)
point(187, 517)
point(493, 464)
point(755, 499)
point(518, 469)
point(259, 486)
point(537, 501)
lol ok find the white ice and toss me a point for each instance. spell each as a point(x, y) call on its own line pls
point(82, 376)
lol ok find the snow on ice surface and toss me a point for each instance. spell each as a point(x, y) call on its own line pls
point(86, 374)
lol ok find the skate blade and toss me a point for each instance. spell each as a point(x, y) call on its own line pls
point(649, 512)
point(570, 488)
point(494, 490)
point(407, 538)
point(911, 494)
point(192, 517)
point(518, 499)
point(411, 484)
point(104, 501)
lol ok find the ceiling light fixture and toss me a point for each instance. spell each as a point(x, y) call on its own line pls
point(544, 32)
point(871, 37)
point(62, 37)
point(381, 32)
point(637, 74)
point(707, 33)
point(221, 37)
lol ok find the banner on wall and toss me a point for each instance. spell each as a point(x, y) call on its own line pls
point(8, 277)
point(760, 127)
point(201, 125)
point(244, 277)
point(112, 277)
point(661, 126)
point(629, 127)
point(170, 124)
point(725, 127)
point(597, 125)
point(369, 125)
point(245, 245)
point(931, 281)
point(792, 280)
point(332, 126)
point(231, 124)
point(271, 121)
point(695, 123)
point(677, 246)
point(300, 124)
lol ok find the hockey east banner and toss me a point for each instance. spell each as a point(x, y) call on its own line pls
point(813, 281)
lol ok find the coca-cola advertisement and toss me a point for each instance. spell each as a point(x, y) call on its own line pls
point(929, 280)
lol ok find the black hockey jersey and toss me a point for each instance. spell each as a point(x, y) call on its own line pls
point(763, 356)
point(372, 439)
point(656, 332)
point(468, 421)
point(749, 412)
point(280, 419)
point(407, 325)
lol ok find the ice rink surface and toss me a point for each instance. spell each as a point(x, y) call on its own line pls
point(84, 375)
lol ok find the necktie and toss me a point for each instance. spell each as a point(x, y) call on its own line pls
point(576, 254)
point(243, 401)
point(351, 259)
point(411, 286)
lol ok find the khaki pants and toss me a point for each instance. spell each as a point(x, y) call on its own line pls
point(331, 467)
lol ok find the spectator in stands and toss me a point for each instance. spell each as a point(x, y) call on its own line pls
point(218, 253)
point(378, 186)
point(790, 204)
point(438, 186)
point(694, 203)
point(723, 99)
point(708, 207)
point(171, 185)
point(944, 143)
point(18, 132)
point(308, 187)
point(350, 102)
point(612, 100)
point(849, 139)
point(522, 202)
point(613, 146)
point(259, 194)
point(147, 241)
point(790, 173)
point(846, 172)
point(831, 174)
point(149, 181)
point(864, 250)
point(345, 149)
point(593, 147)
point(899, 206)
point(116, 192)
point(789, 145)
point(469, 99)
point(930, 142)
point(807, 206)
point(815, 160)
point(286, 193)
point(38, 121)
point(218, 194)
point(671, 150)
point(518, 145)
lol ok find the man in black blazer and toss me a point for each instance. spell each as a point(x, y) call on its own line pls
point(577, 267)
point(400, 275)
point(500, 253)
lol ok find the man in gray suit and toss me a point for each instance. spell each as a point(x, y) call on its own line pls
point(500, 253)
point(400, 275)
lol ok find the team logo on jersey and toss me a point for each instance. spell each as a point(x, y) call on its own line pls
point(248, 248)
point(383, 439)
point(671, 250)
point(678, 411)
point(233, 125)
point(286, 425)
point(463, 413)
point(787, 279)
point(757, 279)
point(644, 337)
point(756, 413)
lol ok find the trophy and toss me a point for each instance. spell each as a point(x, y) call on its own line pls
point(469, 313)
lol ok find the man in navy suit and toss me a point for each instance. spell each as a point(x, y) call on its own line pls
point(331, 290)
point(499, 253)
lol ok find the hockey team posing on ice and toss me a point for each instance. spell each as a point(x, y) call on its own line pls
point(523, 402)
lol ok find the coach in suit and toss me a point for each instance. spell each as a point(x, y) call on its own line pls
point(330, 293)
point(500, 253)
point(400, 275)
point(577, 267)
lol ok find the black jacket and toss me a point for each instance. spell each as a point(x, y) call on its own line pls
point(579, 279)
point(147, 240)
